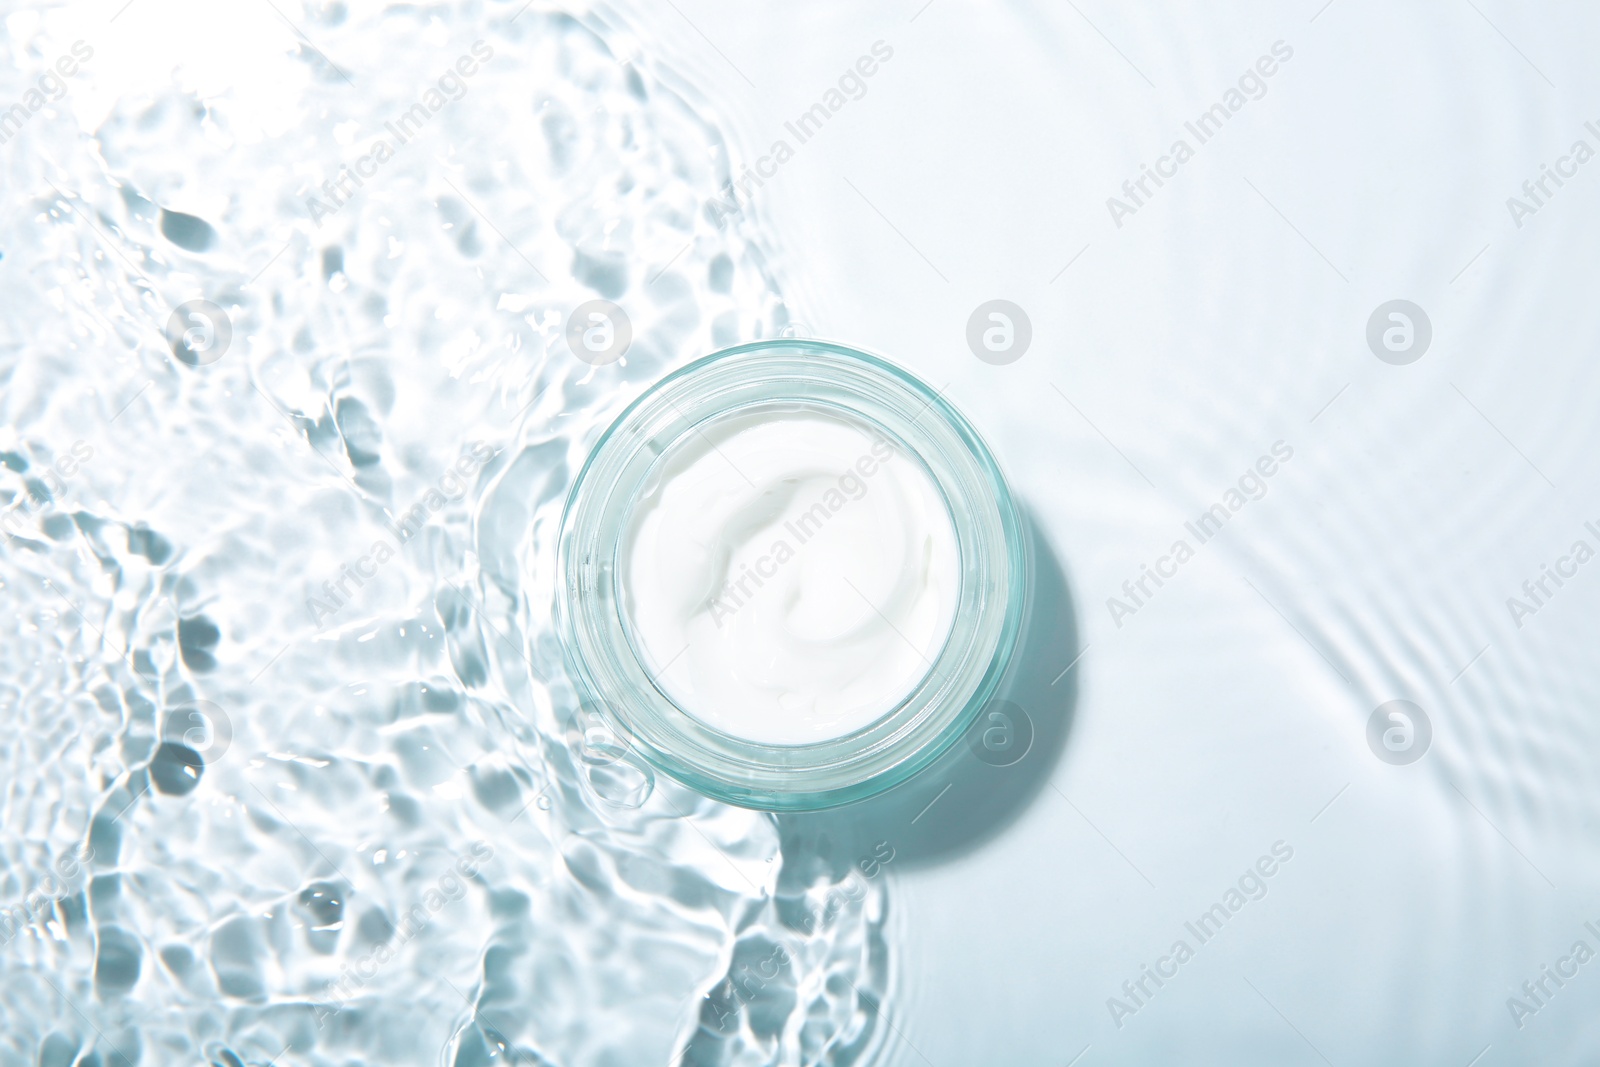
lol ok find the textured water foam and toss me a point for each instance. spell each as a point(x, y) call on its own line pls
point(291, 768)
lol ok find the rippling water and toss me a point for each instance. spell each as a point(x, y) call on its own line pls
point(1229, 313)
point(292, 767)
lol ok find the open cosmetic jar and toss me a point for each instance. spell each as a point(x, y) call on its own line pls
point(790, 576)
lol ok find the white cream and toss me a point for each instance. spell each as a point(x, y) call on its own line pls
point(789, 576)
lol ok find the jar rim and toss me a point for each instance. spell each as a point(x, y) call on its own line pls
point(610, 677)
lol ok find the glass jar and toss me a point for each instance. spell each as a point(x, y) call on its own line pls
point(612, 677)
